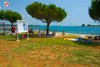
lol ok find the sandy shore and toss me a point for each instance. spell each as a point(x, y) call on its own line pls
point(66, 34)
point(59, 34)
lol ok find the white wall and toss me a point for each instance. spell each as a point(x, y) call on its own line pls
point(22, 26)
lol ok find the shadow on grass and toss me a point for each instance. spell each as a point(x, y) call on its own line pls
point(37, 36)
point(88, 43)
point(8, 38)
point(14, 37)
point(46, 39)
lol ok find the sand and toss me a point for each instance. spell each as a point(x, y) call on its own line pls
point(66, 34)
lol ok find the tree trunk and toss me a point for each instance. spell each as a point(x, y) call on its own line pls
point(47, 29)
point(11, 27)
point(4, 28)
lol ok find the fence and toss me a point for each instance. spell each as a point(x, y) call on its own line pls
point(5, 28)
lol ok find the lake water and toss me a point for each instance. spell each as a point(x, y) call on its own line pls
point(72, 29)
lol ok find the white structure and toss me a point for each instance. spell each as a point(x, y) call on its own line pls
point(22, 26)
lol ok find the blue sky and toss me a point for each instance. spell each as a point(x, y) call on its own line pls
point(77, 11)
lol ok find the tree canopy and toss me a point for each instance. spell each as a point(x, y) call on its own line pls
point(46, 13)
point(1, 14)
point(94, 10)
point(10, 15)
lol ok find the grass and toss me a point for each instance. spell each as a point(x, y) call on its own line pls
point(47, 52)
point(72, 36)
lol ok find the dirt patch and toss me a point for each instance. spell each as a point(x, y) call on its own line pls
point(24, 61)
point(73, 48)
point(3, 61)
point(6, 45)
point(46, 56)
point(52, 56)
point(95, 48)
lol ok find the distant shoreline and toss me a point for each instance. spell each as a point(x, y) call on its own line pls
point(72, 29)
point(76, 30)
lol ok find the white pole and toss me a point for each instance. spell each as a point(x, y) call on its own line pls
point(17, 37)
point(27, 36)
point(17, 32)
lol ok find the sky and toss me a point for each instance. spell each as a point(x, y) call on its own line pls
point(77, 11)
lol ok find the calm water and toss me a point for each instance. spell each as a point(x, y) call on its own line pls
point(72, 29)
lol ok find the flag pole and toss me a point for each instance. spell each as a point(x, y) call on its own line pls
point(5, 5)
point(27, 36)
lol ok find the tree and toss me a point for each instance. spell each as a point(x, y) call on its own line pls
point(1, 14)
point(83, 25)
point(88, 25)
point(1, 18)
point(46, 13)
point(10, 16)
point(94, 10)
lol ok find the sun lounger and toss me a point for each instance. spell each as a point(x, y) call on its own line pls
point(79, 40)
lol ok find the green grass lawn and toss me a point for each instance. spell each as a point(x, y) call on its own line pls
point(47, 52)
